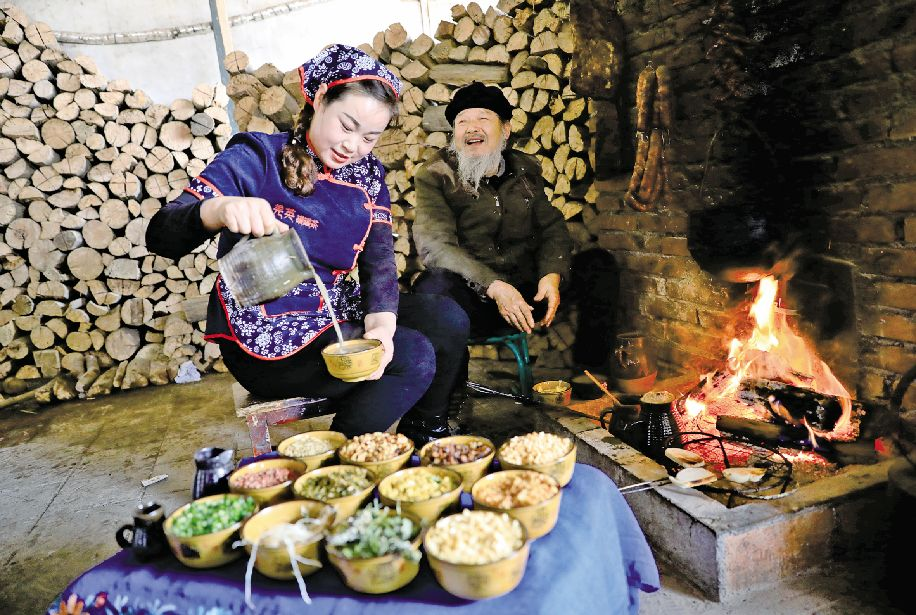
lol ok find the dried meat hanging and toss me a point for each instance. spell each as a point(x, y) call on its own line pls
point(653, 126)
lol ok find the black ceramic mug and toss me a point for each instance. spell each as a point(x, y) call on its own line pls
point(146, 536)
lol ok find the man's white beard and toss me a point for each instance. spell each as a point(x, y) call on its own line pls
point(472, 169)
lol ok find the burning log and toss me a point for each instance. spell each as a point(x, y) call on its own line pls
point(794, 404)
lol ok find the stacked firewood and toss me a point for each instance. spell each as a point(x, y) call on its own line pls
point(84, 164)
point(523, 46)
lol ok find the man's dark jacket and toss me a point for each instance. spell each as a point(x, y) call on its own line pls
point(508, 231)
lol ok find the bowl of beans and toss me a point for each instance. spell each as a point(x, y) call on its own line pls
point(313, 448)
point(470, 456)
point(380, 452)
point(424, 491)
point(344, 487)
point(541, 452)
point(201, 533)
point(531, 497)
point(477, 554)
point(268, 481)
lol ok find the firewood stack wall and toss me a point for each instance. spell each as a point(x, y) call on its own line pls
point(84, 163)
point(522, 46)
point(828, 87)
point(87, 161)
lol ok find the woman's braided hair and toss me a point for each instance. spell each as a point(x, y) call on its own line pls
point(296, 165)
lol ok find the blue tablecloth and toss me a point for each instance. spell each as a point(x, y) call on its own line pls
point(596, 560)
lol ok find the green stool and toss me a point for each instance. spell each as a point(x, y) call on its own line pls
point(517, 342)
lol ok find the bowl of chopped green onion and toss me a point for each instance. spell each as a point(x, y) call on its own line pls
point(377, 550)
point(201, 533)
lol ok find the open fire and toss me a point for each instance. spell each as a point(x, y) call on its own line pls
point(773, 375)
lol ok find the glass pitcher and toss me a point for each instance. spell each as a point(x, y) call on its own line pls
point(260, 269)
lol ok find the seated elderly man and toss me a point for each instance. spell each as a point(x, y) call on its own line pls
point(484, 229)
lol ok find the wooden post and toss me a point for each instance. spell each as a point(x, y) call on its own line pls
point(222, 36)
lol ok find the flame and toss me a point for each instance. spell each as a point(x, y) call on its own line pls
point(773, 351)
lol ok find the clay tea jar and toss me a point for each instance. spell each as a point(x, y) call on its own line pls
point(633, 364)
point(260, 269)
point(213, 466)
point(145, 537)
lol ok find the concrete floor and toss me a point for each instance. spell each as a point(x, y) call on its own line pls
point(70, 476)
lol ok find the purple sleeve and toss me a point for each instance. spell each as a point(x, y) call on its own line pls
point(378, 275)
point(176, 229)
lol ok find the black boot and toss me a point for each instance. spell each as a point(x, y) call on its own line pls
point(425, 429)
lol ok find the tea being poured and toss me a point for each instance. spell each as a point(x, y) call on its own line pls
point(261, 269)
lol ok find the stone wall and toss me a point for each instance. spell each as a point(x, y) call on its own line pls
point(808, 106)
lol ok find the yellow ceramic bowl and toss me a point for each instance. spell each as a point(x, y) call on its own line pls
point(561, 468)
point(266, 496)
point(377, 575)
point(429, 509)
point(538, 518)
point(353, 360)
point(380, 469)
point(480, 581)
point(471, 471)
point(205, 550)
point(274, 562)
point(334, 439)
point(345, 505)
point(553, 392)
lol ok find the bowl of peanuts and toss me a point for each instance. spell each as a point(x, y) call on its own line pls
point(425, 491)
point(477, 554)
point(268, 481)
point(541, 452)
point(531, 497)
point(344, 487)
point(380, 452)
point(470, 456)
point(313, 448)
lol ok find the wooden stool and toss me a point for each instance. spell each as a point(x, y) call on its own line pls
point(259, 413)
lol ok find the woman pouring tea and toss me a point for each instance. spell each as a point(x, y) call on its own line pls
point(322, 182)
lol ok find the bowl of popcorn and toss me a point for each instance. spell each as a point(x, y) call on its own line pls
point(424, 491)
point(477, 554)
point(470, 456)
point(377, 550)
point(268, 481)
point(380, 452)
point(541, 452)
point(344, 487)
point(531, 497)
point(313, 448)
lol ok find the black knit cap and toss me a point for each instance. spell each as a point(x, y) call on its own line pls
point(478, 96)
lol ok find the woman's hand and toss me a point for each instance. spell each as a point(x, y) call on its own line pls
point(240, 214)
point(380, 326)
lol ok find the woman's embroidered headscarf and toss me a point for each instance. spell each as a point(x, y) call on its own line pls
point(338, 64)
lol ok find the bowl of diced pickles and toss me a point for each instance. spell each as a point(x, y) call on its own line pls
point(477, 554)
point(531, 497)
point(201, 534)
point(424, 491)
point(344, 487)
point(377, 550)
point(380, 452)
point(470, 456)
point(313, 448)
